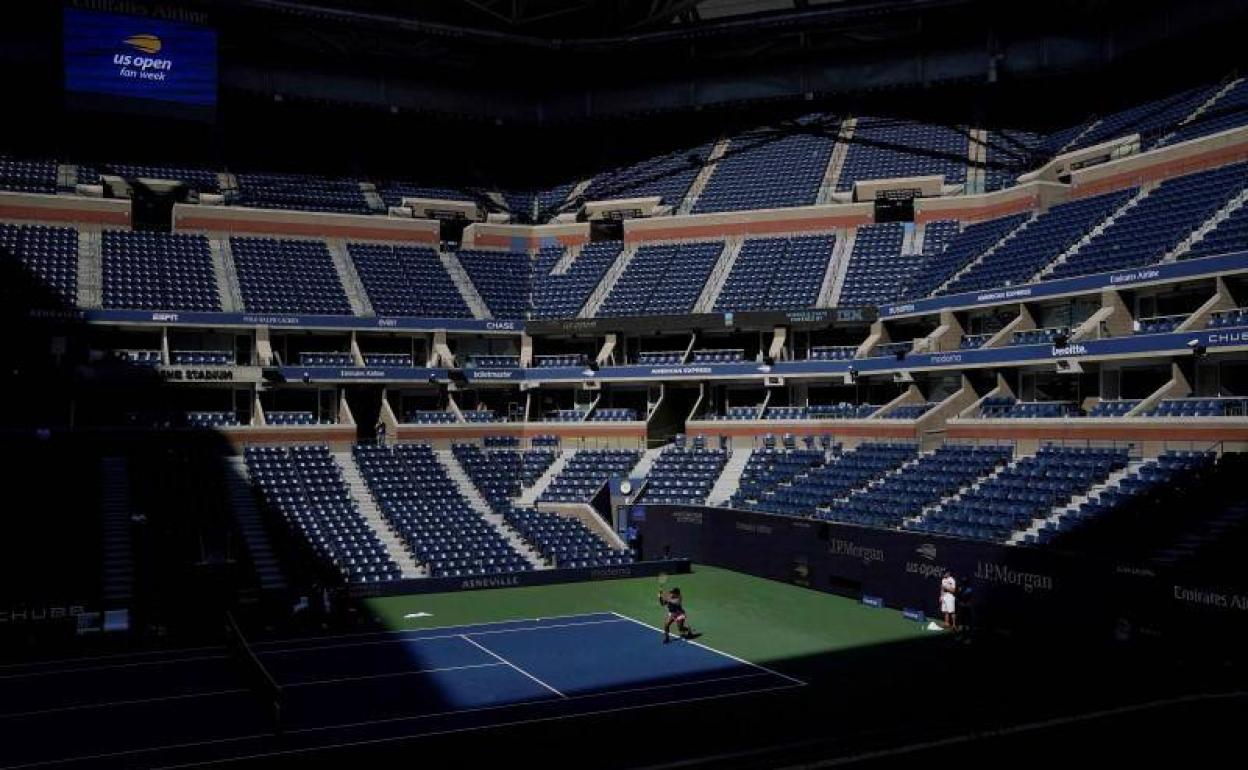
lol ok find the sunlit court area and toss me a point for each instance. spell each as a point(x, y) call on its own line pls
point(667, 385)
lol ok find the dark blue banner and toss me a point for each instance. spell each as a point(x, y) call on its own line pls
point(121, 60)
point(437, 585)
point(344, 322)
point(1170, 271)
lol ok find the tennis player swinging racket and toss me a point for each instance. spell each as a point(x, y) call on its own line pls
point(673, 603)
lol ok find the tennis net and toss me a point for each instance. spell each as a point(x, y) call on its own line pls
point(258, 677)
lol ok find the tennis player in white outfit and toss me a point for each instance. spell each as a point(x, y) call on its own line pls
point(949, 601)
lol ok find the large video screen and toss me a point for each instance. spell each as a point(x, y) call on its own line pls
point(140, 65)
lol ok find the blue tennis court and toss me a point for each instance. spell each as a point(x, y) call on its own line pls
point(359, 687)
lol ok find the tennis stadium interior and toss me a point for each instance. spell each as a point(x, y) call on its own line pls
point(368, 415)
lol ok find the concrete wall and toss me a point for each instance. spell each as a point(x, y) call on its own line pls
point(524, 237)
point(803, 219)
point(64, 209)
point(571, 434)
point(975, 208)
point(236, 220)
point(1176, 160)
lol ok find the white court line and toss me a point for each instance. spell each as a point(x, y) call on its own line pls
point(453, 730)
point(213, 693)
point(388, 675)
point(56, 672)
point(110, 704)
point(401, 631)
point(488, 651)
point(86, 658)
point(398, 635)
point(294, 650)
point(418, 717)
point(717, 652)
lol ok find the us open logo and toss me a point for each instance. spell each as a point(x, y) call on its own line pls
point(144, 65)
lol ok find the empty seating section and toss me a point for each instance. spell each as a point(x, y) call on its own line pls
point(785, 413)
point(937, 235)
point(288, 276)
point(1157, 223)
point(1005, 407)
point(407, 280)
point(562, 295)
point(666, 176)
point(1057, 142)
point(1227, 318)
point(833, 352)
point(933, 477)
point(776, 274)
point(1230, 235)
point(1200, 407)
point(564, 542)
point(961, 250)
point(885, 148)
point(1151, 121)
point(393, 192)
point(586, 472)
point(814, 489)
point(429, 416)
point(211, 419)
point(138, 357)
point(388, 359)
point(27, 176)
point(683, 476)
point(480, 415)
point(891, 349)
point(662, 278)
point(1046, 336)
point(1029, 489)
point(304, 486)
point(197, 178)
point(1167, 469)
point(301, 193)
point(158, 271)
point(742, 413)
point(502, 280)
point(1159, 324)
point(973, 341)
point(494, 362)
point(1039, 242)
point(1229, 111)
point(1113, 408)
point(565, 415)
point(877, 270)
point(426, 509)
point(661, 357)
point(571, 359)
point(907, 412)
point(289, 418)
point(201, 357)
point(553, 198)
point(326, 359)
point(501, 474)
point(49, 256)
point(841, 411)
point(1010, 154)
point(769, 467)
point(614, 415)
point(767, 171)
point(717, 356)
